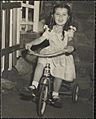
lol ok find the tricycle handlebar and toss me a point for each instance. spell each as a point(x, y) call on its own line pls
point(47, 55)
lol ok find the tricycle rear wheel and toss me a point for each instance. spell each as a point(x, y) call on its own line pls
point(75, 93)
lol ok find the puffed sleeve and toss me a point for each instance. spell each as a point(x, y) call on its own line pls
point(71, 32)
point(46, 34)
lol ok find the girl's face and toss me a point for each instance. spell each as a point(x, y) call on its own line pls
point(61, 16)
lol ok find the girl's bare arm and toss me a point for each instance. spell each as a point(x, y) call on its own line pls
point(70, 46)
point(34, 42)
point(38, 40)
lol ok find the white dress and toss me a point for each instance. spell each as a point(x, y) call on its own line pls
point(61, 66)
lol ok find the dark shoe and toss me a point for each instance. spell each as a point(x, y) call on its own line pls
point(27, 91)
point(57, 102)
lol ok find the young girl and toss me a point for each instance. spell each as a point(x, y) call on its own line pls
point(60, 34)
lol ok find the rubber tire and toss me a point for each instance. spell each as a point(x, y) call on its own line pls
point(75, 93)
point(41, 106)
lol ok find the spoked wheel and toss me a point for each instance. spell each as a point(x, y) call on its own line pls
point(42, 99)
point(75, 93)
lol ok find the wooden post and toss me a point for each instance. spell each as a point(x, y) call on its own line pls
point(18, 29)
point(14, 33)
point(36, 16)
point(27, 2)
point(20, 15)
point(3, 39)
point(10, 42)
point(41, 6)
point(7, 38)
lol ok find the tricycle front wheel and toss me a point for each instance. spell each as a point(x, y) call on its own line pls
point(42, 99)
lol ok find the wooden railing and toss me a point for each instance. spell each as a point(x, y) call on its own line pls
point(12, 22)
point(35, 15)
point(10, 34)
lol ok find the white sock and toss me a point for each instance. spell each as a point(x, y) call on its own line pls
point(55, 94)
point(34, 83)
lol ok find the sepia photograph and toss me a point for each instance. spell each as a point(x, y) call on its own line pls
point(47, 58)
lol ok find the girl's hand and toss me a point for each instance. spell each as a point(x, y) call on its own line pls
point(28, 46)
point(69, 49)
point(71, 33)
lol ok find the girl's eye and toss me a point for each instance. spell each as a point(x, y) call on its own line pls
point(64, 14)
point(57, 14)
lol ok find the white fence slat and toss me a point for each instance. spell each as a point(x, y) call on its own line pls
point(27, 6)
point(27, 23)
point(3, 39)
point(10, 42)
point(18, 29)
point(36, 16)
point(26, 16)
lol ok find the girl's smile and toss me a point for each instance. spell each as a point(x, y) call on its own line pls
point(61, 16)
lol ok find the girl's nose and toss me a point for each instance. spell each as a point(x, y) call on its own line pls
point(60, 18)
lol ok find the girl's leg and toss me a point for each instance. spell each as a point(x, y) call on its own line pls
point(57, 85)
point(56, 99)
point(37, 75)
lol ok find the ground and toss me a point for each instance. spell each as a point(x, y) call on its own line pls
point(15, 107)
